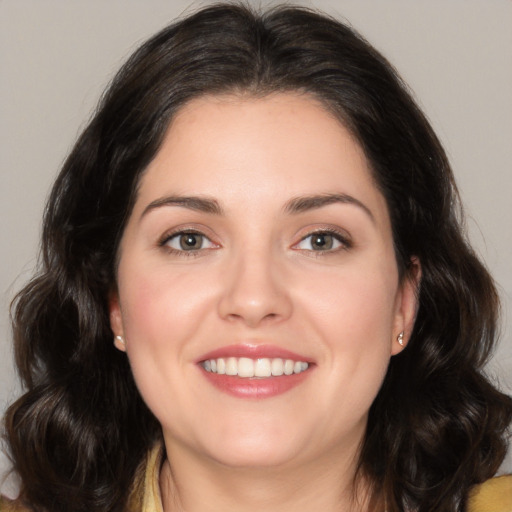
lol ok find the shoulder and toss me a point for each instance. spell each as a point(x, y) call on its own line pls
point(495, 495)
point(7, 505)
point(145, 492)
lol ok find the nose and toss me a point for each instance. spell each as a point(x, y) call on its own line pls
point(255, 291)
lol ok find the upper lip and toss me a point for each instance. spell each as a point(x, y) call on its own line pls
point(253, 351)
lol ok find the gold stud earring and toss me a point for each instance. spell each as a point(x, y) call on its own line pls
point(400, 339)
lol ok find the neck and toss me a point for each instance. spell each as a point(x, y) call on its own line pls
point(193, 484)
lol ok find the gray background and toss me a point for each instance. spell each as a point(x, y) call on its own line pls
point(57, 56)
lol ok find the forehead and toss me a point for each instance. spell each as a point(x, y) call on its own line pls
point(240, 148)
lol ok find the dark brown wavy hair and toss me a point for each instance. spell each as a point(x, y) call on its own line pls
point(76, 436)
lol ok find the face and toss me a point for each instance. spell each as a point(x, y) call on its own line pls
point(258, 293)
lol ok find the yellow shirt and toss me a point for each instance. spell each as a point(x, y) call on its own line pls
point(495, 495)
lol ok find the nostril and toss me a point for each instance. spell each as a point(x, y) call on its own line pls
point(253, 295)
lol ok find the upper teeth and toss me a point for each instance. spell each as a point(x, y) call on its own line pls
point(246, 367)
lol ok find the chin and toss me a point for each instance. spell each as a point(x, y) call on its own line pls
point(257, 454)
point(242, 445)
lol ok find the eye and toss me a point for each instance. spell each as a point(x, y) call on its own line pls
point(322, 241)
point(188, 241)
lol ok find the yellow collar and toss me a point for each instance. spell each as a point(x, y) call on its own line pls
point(145, 494)
point(495, 495)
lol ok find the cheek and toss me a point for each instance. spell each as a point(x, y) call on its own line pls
point(159, 305)
point(160, 312)
point(356, 299)
point(352, 313)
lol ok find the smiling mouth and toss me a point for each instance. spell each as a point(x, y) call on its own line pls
point(245, 367)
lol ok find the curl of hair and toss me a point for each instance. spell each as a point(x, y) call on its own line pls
point(77, 435)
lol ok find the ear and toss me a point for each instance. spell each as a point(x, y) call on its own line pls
point(406, 306)
point(116, 320)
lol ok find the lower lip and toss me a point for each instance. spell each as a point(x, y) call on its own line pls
point(255, 387)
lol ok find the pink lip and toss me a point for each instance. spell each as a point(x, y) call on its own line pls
point(253, 352)
point(255, 388)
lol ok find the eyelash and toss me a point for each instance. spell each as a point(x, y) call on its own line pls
point(341, 238)
point(163, 242)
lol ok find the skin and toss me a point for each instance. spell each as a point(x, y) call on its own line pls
point(258, 278)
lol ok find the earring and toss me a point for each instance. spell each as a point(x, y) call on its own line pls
point(120, 339)
point(400, 339)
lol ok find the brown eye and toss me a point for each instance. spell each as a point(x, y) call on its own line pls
point(188, 241)
point(322, 242)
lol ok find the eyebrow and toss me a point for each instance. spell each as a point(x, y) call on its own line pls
point(200, 204)
point(293, 206)
point(305, 203)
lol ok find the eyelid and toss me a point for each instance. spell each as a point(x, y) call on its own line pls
point(182, 230)
point(340, 235)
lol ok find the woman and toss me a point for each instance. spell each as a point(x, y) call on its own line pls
point(255, 292)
